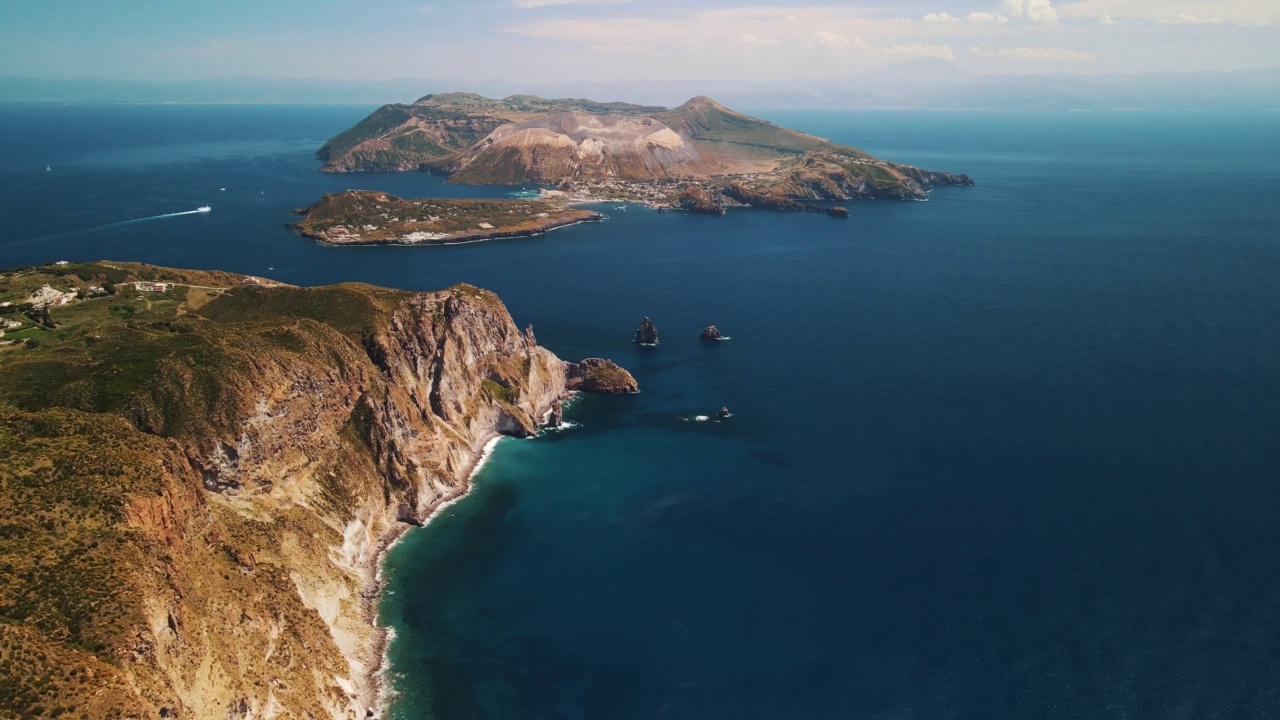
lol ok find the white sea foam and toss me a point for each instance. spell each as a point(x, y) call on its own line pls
point(386, 690)
point(702, 418)
point(485, 454)
point(109, 226)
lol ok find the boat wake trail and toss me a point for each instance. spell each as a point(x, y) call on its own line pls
point(99, 228)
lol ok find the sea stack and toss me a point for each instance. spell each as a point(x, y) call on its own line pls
point(724, 412)
point(598, 375)
point(710, 333)
point(647, 334)
point(555, 418)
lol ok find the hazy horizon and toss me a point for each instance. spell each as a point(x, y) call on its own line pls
point(921, 83)
point(571, 41)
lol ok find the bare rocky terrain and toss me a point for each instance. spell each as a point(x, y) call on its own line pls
point(200, 471)
point(527, 140)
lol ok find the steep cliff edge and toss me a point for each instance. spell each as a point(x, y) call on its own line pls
point(198, 480)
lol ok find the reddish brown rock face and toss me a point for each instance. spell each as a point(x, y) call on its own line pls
point(598, 375)
point(701, 200)
point(230, 510)
point(581, 143)
point(710, 332)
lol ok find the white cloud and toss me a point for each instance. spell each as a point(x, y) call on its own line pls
point(1106, 19)
point(1033, 53)
point(750, 40)
point(1037, 11)
point(912, 52)
point(1185, 19)
point(832, 41)
point(624, 49)
point(533, 4)
point(985, 17)
point(1242, 13)
point(790, 18)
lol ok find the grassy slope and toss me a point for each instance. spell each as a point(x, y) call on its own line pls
point(73, 463)
point(705, 120)
point(394, 218)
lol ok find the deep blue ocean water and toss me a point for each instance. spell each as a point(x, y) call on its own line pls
point(1010, 453)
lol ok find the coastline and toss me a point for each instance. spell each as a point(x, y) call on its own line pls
point(379, 692)
point(460, 238)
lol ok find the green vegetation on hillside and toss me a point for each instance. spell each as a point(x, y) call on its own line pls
point(363, 216)
point(84, 419)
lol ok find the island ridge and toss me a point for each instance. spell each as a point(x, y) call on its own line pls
point(619, 151)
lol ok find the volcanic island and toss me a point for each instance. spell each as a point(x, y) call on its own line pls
point(700, 157)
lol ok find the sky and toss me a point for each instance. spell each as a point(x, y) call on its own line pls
point(559, 41)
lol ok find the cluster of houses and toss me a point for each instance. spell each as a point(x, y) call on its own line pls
point(152, 287)
point(7, 325)
point(48, 296)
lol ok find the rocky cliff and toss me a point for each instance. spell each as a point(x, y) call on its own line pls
point(193, 499)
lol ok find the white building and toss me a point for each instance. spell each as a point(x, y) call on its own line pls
point(49, 297)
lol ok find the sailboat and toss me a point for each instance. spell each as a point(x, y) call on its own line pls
point(48, 169)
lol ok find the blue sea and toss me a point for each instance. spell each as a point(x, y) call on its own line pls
point(1013, 452)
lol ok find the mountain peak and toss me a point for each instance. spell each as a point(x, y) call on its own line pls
point(702, 101)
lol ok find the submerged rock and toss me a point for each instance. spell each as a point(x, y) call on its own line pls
point(724, 412)
point(710, 333)
point(838, 212)
point(598, 375)
point(647, 333)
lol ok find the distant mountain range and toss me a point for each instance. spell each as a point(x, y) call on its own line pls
point(919, 84)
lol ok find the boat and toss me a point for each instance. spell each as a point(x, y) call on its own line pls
point(48, 168)
point(203, 208)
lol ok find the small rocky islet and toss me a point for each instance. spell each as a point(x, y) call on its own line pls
point(647, 334)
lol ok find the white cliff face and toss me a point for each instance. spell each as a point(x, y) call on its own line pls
point(579, 144)
point(275, 522)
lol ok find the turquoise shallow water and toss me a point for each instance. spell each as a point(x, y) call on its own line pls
point(1007, 453)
